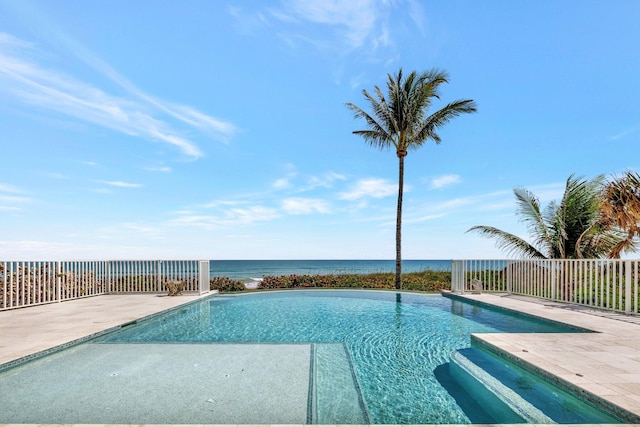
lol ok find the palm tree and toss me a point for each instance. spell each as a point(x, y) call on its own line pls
point(401, 121)
point(621, 208)
point(572, 229)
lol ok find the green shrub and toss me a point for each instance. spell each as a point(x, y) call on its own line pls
point(224, 284)
point(425, 281)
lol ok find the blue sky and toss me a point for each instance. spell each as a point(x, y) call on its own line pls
point(218, 129)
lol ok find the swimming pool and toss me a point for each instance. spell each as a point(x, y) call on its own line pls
point(324, 357)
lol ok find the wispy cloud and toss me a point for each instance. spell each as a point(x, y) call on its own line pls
point(353, 20)
point(445, 180)
point(299, 183)
point(137, 114)
point(231, 217)
point(11, 198)
point(325, 180)
point(215, 204)
point(303, 206)
point(122, 184)
point(423, 218)
point(281, 183)
point(372, 187)
point(5, 188)
point(163, 169)
point(624, 134)
point(344, 25)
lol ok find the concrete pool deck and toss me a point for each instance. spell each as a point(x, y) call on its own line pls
point(605, 364)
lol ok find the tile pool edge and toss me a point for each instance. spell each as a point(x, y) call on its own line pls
point(459, 297)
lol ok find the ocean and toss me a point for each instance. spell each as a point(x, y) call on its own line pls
point(257, 269)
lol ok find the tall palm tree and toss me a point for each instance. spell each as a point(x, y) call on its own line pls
point(621, 208)
point(401, 121)
point(572, 229)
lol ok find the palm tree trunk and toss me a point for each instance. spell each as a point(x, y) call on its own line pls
point(401, 156)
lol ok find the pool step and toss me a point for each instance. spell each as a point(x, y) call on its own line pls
point(520, 392)
point(465, 367)
point(336, 396)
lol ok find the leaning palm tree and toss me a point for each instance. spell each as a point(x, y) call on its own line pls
point(401, 121)
point(621, 209)
point(574, 228)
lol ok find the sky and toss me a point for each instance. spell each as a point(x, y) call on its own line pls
point(218, 129)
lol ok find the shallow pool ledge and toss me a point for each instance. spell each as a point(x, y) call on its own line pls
point(603, 367)
point(32, 331)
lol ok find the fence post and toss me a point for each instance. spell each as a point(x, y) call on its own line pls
point(203, 277)
point(627, 287)
point(59, 281)
point(158, 275)
point(5, 292)
point(554, 280)
point(509, 264)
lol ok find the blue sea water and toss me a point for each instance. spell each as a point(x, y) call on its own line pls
point(257, 269)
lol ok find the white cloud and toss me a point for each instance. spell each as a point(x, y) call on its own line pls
point(122, 184)
point(445, 180)
point(326, 180)
point(423, 218)
point(281, 183)
point(227, 218)
point(33, 249)
point(624, 134)
point(302, 206)
point(13, 199)
point(163, 169)
point(355, 19)
point(218, 203)
point(50, 89)
point(373, 187)
point(251, 215)
point(5, 188)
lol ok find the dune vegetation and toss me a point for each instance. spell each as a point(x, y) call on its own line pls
point(424, 281)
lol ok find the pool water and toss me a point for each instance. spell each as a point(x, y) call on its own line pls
point(322, 357)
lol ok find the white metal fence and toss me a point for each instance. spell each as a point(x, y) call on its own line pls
point(605, 284)
point(27, 283)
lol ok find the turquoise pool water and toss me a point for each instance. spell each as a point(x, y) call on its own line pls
point(325, 357)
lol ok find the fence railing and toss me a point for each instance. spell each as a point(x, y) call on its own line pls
point(605, 284)
point(27, 283)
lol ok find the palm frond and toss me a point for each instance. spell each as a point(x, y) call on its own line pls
point(377, 135)
point(427, 128)
point(621, 202)
point(510, 243)
point(528, 208)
